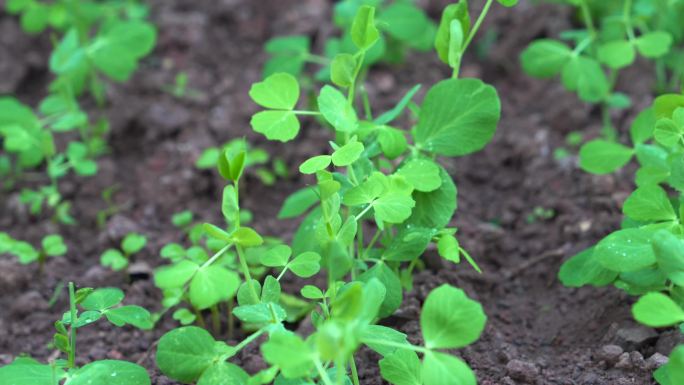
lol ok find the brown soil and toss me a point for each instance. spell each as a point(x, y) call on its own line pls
point(539, 332)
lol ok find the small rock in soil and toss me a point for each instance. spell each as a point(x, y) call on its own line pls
point(668, 340)
point(610, 354)
point(633, 338)
point(119, 226)
point(165, 119)
point(624, 362)
point(655, 361)
point(28, 303)
point(522, 371)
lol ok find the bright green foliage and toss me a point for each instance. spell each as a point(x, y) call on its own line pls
point(257, 161)
point(374, 179)
point(646, 256)
point(119, 259)
point(51, 246)
point(614, 34)
point(96, 304)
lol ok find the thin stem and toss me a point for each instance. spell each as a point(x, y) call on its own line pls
point(357, 217)
point(366, 103)
point(321, 372)
point(216, 256)
point(231, 319)
point(586, 13)
point(372, 242)
point(352, 87)
point(304, 112)
point(628, 19)
point(72, 326)
point(477, 25)
point(318, 59)
point(215, 320)
point(355, 373)
point(248, 340)
point(199, 318)
point(246, 273)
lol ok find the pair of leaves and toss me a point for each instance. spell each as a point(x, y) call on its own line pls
point(103, 302)
point(619, 54)
point(304, 265)
point(278, 93)
point(26, 371)
point(118, 259)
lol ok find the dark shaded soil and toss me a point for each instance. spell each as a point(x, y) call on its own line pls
point(539, 332)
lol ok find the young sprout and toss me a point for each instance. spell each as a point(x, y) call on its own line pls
point(51, 246)
point(119, 259)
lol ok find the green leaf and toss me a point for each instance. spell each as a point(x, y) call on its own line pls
point(585, 269)
point(408, 244)
point(458, 117)
point(617, 54)
point(393, 292)
point(110, 372)
point(382, 333)
point(288, 54)
point(603, 157)
point(298, 203)
point(545, 58)
point(392, 114)
point(305, 265)
point(223, 373)
point(450, 319)
point(675, 366)
point(448, 248)
point(271, 290)
point(443, 369)
point(117, 50)
point(133, 243)
point(245, 296)
point(247, 237)
point(276, 125)
point(230, 207)
point(626, 250)
point(422, 174)
point(393, 207)
point(642, 127)
point(290, 353)
point(452, 12)
point(654, 44)
point(315, 164)
point(132, 315)
point(585, 75)
point(363, 31)
point(103, 299)
point(260, 313)
point(27, 371)
point(183, 354)
point(508, 3)
point(312, 292)
point(667, 132)
point(176, 275)
point(407, 23)
point(669, 252)
point(401, 368)
point(184, 316)
point(53, 245)
point(211, 285)
point(347, 154)
point(276, 256)
point(657, 310)
point(114, 259)
point(649, 203)
point(278, 92)
point(342, 70)
point(336, 110)
point(392, 141)
point(434, 209)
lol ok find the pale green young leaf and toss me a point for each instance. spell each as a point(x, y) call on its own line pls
point(278, 92)
point(434, 209)
point(223, 373)
point(545, 58)
point(132, 315)
point(245, 296)
point(312, 292)
point(102, 299)
point(654, 44)
point(448, 248)
point(298, 203)
point(585, 75)
point(113, 259)
point(422, 174)
point(364, 33)
point(183, 354)
point(260, 313)
point(450, 319)
point(626, 250)
point(675, 366)
point(247, 237)
point(617, 54)
point(342, 69)
point(211, 285)
point(110, 372)
point(315, 164)
point(176, 275)
point(443, 369)
point(336, 110)
point(347, 154)
point(649, 203)
point(456, 42)
point(372, 333)
point(53, 245)
point(133, 243)
point(367, 191)
point(393, 207)
point(306, 264)
point(184, 316)
point(27, 371)
point(271, 290)
point(458, 117)
point(389, 279)
point(406, 23)
point(276, 256)
point(603, 157)
point(657, 310)
point(347, 232)
point(392, 141)
point(276, 125)
point(452, 12)
point(230, 207)
point(117, 50)
point(408, 244)
point(669, 252)
point(290, 353)
point(392, 114)
point(642, 127)
point(585, 269)
point(401, 368)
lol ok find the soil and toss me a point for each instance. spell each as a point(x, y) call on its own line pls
point(538, 331)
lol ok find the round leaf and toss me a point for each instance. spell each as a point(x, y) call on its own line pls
point(450, 319)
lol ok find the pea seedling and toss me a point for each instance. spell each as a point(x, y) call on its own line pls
point(372, 180)
point(119, 259)
point(96, 304)
point(646, 256)
point(51, 246)
point(615, 32)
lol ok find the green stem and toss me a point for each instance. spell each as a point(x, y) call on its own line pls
point(199, 318)
point(318, 59)
point(355, 373)
point(216, 256)
point(372, 242)
point(321, 372)
point(397, 345)
point(231, 319)
point(586, 13)
point(304, 112)
point(72, 327)
point(477, 25)
point(352, 87)
point(627, 19)
point(364, 211)
point(215, 320)
point(366, 103)
point(248, 340)
point(246, 273)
